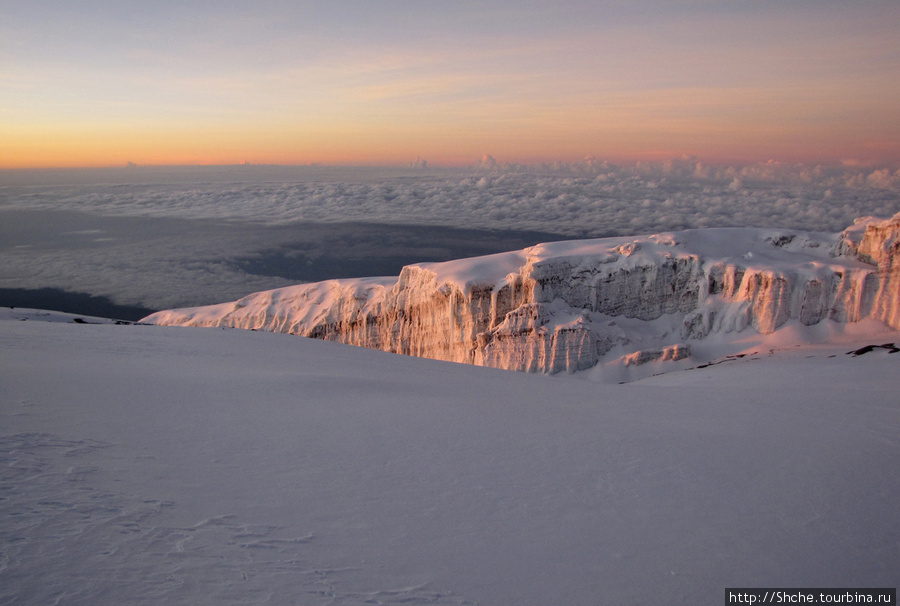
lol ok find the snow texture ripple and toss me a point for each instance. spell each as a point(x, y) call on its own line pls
point(113, 548)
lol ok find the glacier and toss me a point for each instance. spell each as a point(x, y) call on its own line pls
point(570, 306)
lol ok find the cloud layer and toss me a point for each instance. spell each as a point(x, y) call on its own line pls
point(577, 200)
point(170, 237)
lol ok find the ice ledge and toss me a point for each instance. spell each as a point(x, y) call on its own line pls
point(568, 306)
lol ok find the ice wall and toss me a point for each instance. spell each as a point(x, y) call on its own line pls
point(877, 243)
point(563, 306)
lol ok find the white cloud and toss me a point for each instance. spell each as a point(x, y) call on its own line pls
point(239, 212)
point(487, 162)
point(568, 199)
point(883, 179)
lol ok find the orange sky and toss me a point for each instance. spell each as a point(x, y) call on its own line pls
point(384, 83)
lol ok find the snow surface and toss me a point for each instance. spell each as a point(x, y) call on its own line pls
point(161, 465)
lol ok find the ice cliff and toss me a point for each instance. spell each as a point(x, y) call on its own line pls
point(565, 306)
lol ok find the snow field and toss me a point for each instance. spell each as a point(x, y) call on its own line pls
point(147, 464)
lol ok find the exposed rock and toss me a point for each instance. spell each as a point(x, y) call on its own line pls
point(889, 347)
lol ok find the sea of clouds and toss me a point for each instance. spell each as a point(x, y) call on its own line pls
point(164, 237)
point(583, 199)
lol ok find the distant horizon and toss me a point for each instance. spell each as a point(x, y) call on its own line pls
point(501, 163)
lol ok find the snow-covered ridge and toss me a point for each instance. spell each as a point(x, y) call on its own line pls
point(571, 305)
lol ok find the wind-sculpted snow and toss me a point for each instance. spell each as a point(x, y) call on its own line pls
point(567, 306)
point(52, 507)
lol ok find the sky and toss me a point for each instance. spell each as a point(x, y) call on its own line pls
point(103, 83)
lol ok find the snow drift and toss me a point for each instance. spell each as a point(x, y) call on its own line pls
point(566, 306)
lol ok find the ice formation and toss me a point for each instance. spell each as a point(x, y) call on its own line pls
point(563, 306)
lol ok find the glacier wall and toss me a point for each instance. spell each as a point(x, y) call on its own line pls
point(563, 306)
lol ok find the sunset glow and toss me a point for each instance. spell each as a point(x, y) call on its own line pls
point(102, 84)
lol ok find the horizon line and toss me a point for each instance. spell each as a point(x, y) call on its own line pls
point(488, 162)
